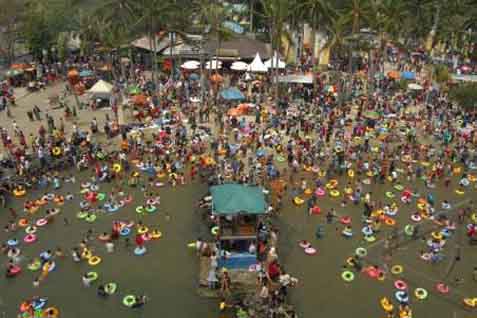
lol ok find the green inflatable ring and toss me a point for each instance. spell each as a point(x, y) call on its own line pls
point(280, 158)
point(101, 196)
point(347, 276)
point(398, 187)
point(35, 265)
point(140, 209)
point(214, 230)
point(110, 288)
point(91, 218)
point(129, 300)
point(409, 230)
point(370, 238)
point(81, 215)
point(151, 209)
point(390, 195)
point(92, 275)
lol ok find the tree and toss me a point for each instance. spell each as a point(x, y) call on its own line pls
point(277, 13)
point(11, 17)
point(465, 95)
point(157, 18)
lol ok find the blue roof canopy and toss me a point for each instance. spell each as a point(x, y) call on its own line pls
point(230, 199)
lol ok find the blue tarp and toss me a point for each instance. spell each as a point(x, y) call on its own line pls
point(234, 27)
point(408, 75)
point(232, 93)
point(229, 199)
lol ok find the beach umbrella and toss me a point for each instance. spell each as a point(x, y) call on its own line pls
point(414, 87)
point(234, 112)
point(232, 93)
point(408, 75)
point(191, 65)
point(239, 66)
point(393, 74)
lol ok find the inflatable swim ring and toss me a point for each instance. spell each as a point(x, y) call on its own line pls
point(51, 312)
point(442, 288)
point(370, 238)
point(29, 238)
point(41, 222)
point(361, 252)
point(156, 234)
point(30, 229)
point(129, 300)
point(298, 201)
point(151, 209)
point(125, 231)
point(400, 284)
point(90, 218)
point(34, 265)
point(390, 195)
point(402, 296)
point(347, 276)
point(12, 242)
point(140, 209)
point(310, 250)
point(94, 260)
point(389, 222)
point(23, 222)
point(215, 230)
point(92, 276)
point(56, 151)
point(334, 193)
point(459, 192)
point(386, 304)
point(397, 269)
point(346, 220)
point(320, 192)
point(420, 293)
point(117, 167)
point(86, 254)
point(138, 251)
point(110, 288)
point(409, 230)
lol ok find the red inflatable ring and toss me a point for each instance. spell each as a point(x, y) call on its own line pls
point(442, 288)
point(346, 220)
point(401, 285)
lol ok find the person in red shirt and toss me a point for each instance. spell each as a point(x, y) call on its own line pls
point(274, 270)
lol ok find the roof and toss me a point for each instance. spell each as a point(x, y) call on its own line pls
point(247, 48)
point(101, 87)
point(230, 199)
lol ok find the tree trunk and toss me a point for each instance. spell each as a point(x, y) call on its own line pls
point(152, 56)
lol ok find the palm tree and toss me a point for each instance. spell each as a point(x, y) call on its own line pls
point(156, 18)
point(277, 13)
point(320, 14)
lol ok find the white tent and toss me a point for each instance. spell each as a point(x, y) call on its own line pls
point(101, 89)
point(190, 65)
point(214, 64)
point(257, 65)
point(239, 66)
point(414, 87)
point(275, 63)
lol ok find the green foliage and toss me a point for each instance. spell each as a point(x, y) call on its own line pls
point(465, 95)
point(441, 73)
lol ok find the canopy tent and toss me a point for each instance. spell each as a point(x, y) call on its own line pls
point(239, 66)
point(214, 64)
point(275, 62)
point(230, 199)
point(257, 65)
point(232, 93)
point(464, 78)
point(190, 65)
point(101, 89)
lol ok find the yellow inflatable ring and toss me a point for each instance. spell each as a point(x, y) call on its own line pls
point(94, 260)
point(387, 306)
point(457, 170)
point(52, 312)
point(308, 191)
point(298, 201)
point(142, 230)
point(421, 293)
point(459, 192)
point(397, 269)
point(472, 178)
point(334, 193)
point(56, 151)
point(350, 173)
point(86, 254)
point(470, 302)
point(437, 236)
point(117, 167)
point(348, 190)
point(155, 234)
